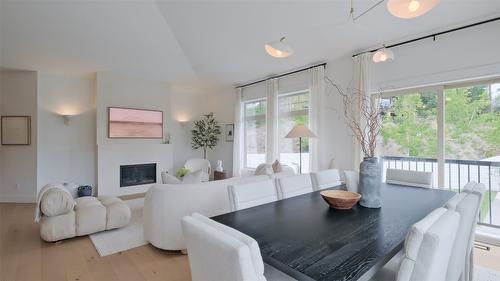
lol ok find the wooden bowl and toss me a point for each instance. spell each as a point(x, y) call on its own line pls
point(340, 199)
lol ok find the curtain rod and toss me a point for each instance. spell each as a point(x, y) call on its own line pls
point(432, 35)
point(281, 75)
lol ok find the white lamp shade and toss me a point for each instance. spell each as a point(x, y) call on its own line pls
point(300, 131)
point(407, 9)
point(278, 49)
point(383, 55)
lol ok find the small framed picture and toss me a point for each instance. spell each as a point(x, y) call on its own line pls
point(229, 132)
point(16, 130)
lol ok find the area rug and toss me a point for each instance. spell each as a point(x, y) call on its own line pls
point(485, 274)
point(125, 238)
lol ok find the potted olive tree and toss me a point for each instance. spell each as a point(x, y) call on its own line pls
point(205, 133)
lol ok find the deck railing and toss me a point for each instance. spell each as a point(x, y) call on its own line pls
point(457, 174)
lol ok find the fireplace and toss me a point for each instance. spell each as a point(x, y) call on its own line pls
point(137, 174)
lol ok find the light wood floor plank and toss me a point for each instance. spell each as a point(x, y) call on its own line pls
point(25, 257)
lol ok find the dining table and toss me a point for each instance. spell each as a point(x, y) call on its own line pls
point(307, 240)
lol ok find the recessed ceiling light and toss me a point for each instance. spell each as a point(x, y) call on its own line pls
point(278, 49)
point(407, 9)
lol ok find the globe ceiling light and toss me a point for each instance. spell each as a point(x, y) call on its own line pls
point(407, 9)
point(382, 55)
point(279, 49)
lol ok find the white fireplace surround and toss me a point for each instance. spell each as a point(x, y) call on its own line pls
point(112, 156)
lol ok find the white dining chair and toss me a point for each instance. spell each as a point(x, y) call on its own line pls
point(351, 181)
point(325, 179)
point(409, 178)
point(294, 186)
point(427, 249)
point(467, 204)
point(219, 253)
point(250, 194)
point(197, 164)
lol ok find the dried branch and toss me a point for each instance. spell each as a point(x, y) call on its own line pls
point(363, 117)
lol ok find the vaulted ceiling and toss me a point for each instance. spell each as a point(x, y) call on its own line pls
point(219, 41)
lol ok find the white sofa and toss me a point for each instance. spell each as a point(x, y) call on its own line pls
point(61, 217)
point(165, 205)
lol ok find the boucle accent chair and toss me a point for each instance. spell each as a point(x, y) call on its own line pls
point(63, 217)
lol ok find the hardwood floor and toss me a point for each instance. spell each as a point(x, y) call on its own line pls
point(25, 257)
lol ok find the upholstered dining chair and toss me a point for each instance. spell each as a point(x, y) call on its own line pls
point(325, 179)
point(409, 178)
point(219, 253)
point(294, 186)
point(467, 204)
point(351, 180)
point(250, 194)
point(197, 164)
point(427, 249)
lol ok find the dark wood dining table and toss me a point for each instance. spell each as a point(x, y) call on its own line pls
point(306, 239)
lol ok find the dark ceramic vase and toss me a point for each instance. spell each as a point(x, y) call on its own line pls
point(370, 180)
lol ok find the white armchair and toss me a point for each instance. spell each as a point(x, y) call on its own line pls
point(198, 164)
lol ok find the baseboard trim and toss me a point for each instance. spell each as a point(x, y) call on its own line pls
point(17, 199)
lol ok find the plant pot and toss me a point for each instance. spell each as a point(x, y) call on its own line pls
point(370, 180)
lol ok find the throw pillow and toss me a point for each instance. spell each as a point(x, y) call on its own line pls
point(194, 177)
point(277, 167)
point(264, 169)
point(169, 179)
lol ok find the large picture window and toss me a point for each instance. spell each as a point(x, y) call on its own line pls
point(255, 132)
point(452, 131)
point(293, 109)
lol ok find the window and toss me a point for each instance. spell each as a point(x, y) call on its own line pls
point(255, 132)
point(452, 131)
point(293, 109)
point(409, 131)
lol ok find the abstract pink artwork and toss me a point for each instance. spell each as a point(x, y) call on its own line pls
point(135, 123)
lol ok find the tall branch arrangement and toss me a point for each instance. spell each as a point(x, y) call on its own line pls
point(205, 133)
point(363, 117)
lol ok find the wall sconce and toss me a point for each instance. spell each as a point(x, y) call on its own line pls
point(66, 119)
point(183, 123)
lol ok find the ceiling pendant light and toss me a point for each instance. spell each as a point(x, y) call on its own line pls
point(278, 49)
point(382, 55)
point(407, 9)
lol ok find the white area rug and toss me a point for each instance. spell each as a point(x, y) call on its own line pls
point(485, 274)
point(125, 238)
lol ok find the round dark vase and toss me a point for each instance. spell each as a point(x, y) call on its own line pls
point(370, 180)
point(84, 190)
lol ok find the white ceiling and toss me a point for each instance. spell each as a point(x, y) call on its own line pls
point(217, 40)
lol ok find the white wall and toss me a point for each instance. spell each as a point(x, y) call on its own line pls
point(460, 55)
point(18, 175)
point(221, 102)
point(66, 153)
point(114, 89)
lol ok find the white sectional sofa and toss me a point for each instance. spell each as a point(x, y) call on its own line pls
point(166, 204)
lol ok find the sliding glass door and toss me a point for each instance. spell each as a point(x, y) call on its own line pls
point(472, 143)
point(409, 132)
point(450, 130)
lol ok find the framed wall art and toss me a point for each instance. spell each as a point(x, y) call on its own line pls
point(16, 130)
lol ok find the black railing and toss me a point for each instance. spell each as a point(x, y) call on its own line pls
point(457, 174)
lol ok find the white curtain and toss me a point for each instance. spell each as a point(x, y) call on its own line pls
point(238, 149)
point(316, 93)
point(361, 82)
point(272, 121)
